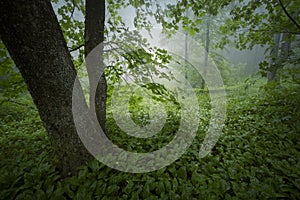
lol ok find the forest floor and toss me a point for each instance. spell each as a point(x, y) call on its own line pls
point(257, 157)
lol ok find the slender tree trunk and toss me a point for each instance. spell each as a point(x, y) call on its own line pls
point(94, 35)
point(207, 43)
point(186, 50)
point(285, 46)
point(273, 65)
point(33, 37)
point(279, 54)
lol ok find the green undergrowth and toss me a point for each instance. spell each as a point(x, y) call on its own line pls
point(257, 157)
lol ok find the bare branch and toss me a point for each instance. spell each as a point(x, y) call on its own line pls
point(73, 9)
point(267, 30)
point(287, 14)
point(76, 48)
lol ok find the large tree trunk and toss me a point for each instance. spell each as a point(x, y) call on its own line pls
point(94, 35)
point(33, 37)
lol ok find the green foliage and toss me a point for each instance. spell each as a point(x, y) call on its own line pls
point(70, 15)
point(261, 19)
point(130, 58)
point(12, 85)
point(256, 22)
point(290, 72)
point(257, 157)
point(25, 153)
point(139, 108)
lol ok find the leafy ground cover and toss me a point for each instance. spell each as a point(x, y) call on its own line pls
point(257, 157)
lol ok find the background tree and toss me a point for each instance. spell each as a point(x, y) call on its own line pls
point(272, 24)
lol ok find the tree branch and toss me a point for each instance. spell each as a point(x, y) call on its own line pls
point(73, 9)
point(267, 30)
point(76, 48)
point(287, 14)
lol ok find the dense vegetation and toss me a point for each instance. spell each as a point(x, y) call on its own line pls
point(256, 157)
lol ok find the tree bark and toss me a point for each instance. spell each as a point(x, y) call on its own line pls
point(279, 54)
point(273, 65)
point(33, 37)
point(94, 35)
point(285, 46)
